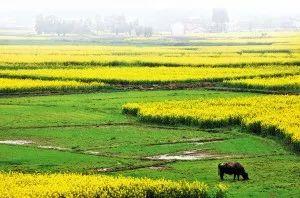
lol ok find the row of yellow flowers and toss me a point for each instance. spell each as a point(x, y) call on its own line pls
point(234, 51)
point(152, 74)
point(15, 85)
point(18, 185)
point(275, 115)
point(166, 59)
point(278, 83)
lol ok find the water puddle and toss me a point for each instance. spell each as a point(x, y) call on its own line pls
point(54, 148)
point(16, 142)
point(92, 152)
point(104, 170)
point(187, 155)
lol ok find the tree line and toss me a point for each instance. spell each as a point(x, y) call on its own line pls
point(114, 24)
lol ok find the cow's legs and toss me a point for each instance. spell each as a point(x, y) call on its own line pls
point(222, 176)
point(238, 176)
point(234, 177)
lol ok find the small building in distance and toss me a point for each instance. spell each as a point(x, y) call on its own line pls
point(196, 25)
point(178, 29)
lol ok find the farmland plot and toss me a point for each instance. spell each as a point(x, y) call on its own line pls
point(185, 133)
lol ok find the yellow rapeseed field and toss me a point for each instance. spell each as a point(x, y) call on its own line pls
point(287, 82)
point(172, 57)
point(15, 185)
point(212, 50)
point(153, 74)
point(11, 85)
point(276, 115)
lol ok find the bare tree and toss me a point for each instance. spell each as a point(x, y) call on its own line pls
point(99, 24)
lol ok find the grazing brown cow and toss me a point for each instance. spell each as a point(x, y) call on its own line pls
point(230, 168)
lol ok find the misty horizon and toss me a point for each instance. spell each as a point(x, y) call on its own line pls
point(23, 13)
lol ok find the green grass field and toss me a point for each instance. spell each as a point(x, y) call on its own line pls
point(87, 133)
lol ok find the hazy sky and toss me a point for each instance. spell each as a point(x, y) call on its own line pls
point(23, 12)
point(275, 6)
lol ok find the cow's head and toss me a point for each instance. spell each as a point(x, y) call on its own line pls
point(245, 176)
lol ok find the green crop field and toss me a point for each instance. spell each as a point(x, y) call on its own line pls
point(151, 108)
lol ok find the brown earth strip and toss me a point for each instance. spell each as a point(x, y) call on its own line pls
point(71, 126)
point(190, 141)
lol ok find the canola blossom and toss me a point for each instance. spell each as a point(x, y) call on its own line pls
point(12, 85)
point(73, 185)
point(209, 52)
point(273, 115)
point(279, 83)
point(167, 59)
point(151, 74)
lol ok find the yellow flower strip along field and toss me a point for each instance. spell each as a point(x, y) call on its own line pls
point(73, 185)
point(275, 115)
point(152, 74)
point(33, 56)
point(8, 85)
point(181, 59)
point(278, 83)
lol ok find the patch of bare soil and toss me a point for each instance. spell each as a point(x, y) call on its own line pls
point(159, 168)
point(187, 156)
point(16, 142)
point(92, 152)
point(104, 170)
point(157, 86)
point(207, 142)
point(73, 126)
point(191, 141)
point(160, 165)
point(54, 148)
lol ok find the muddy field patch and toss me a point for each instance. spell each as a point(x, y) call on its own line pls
point(188, 156)
point(15, 142)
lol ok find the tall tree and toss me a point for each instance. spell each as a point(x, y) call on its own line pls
point(220, 19)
